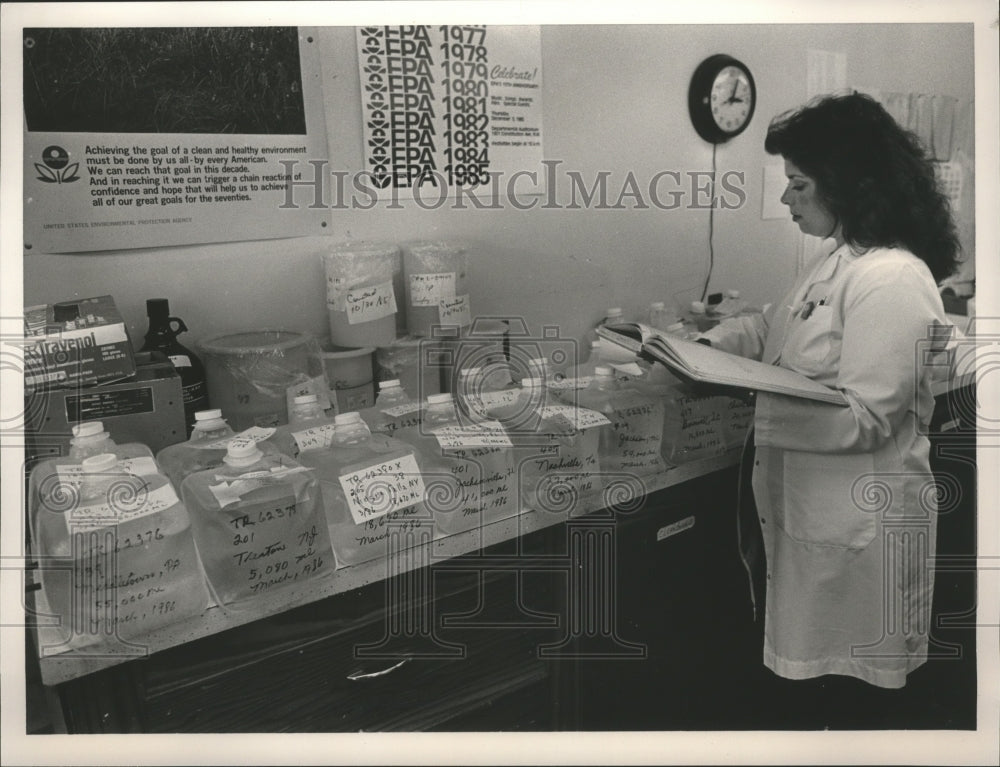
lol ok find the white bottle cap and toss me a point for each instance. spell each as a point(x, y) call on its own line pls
point(345, 419)
point(392, 383)
point(657, 306)
point(733, 293)
point(88, 429)
point(242, 452)
point(98, 464)
point(530, 382)
point(470, 372)
point(305, 399)
point(208, 415)
point(439, 399)
point(697, 307)
point(602, 370)
point(615, 311)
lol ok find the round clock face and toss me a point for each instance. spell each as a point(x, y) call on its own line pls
point(732, 99)
point(721, 98)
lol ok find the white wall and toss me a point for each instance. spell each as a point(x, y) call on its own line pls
point(615, 99)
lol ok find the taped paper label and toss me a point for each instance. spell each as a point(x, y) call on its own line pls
point(580, 417)
point(455, 311)
point(483, 434)
point(397, 410)
point(126, 503)
point(314, 438)
point(383, 488)
point(372, 302)
point(429, 289)
point(254, 434)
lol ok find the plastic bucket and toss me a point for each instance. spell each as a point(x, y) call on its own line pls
point(350, 376)
point(435, 272)
point(361, 298)
point(249, 373)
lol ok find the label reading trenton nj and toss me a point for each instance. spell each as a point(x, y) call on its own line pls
point(101, 405)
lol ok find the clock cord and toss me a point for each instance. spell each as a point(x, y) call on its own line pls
point(711, 228)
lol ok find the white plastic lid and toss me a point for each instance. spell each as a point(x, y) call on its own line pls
point(88, 429)
point(473, 371)
point(392, 383)
point(529, 382)
point(345, 419)
point(602, 370)
point(697, 307)
point(98, 464)
point(305, 399)
point(732, 293)
point(242, 451)
point(208, 415)
point(657, 305)
point(439, 399)
point(615, 311)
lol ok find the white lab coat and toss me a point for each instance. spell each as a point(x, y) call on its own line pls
point(845, 495)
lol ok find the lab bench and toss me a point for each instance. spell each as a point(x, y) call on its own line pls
point(631, 612)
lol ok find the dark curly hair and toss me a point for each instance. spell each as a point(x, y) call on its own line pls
point(871, 174)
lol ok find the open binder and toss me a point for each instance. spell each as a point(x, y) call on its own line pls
point(703, 364)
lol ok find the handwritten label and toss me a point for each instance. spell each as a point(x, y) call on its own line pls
point(571, 383)
point(230, 491)
point(372, 302)
point(253, 434)
point(483, 434)
point(429, 289)
point(315, 438)
point(126, 502)
point(580, 417)
point(141, 466)
point(397, 410)
point(383, 488)
point(455, 311)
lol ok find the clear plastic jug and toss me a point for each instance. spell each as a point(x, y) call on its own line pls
point(258, 523)
point(372, 489)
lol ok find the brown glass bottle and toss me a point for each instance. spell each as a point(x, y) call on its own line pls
point(162, 337)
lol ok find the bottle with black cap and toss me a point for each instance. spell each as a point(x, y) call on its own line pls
point(162, 337)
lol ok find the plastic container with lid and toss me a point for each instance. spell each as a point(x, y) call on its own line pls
point(372, 492)
point(361, 294)
point(435, 272)
point(131, 565)
point(407, 360)
point(468, 468)
point(258, 523)
point(632, 442)
point(393, 409)
point(90, 438)
point(308, 428)
point(249, 373)
point(556, 448)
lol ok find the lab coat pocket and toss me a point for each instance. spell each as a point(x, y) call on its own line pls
point(821, 504)
point(809, 342)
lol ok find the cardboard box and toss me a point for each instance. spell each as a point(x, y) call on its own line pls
point(148, 408)
point(75, 342)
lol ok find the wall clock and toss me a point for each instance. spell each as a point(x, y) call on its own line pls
point(721, 98)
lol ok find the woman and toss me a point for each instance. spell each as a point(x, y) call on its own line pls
point(844, 495)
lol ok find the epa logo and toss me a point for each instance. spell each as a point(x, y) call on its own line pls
point(56, 169)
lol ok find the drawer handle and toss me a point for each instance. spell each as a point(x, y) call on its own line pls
point(357, 675)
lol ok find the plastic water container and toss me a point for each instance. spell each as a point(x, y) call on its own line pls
point(90, 438)
point(258, 523)
point(393, 409)
point(308, 428)
point(204, 449)
point(350, 377)
point(118, 558)
point(556, 448)
point(435, 272)
point(411, 361)
point(482, 346)
point(633, 443)
point(361, 295)
point(468, 468)
point(249, 373)
point(372, 492)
